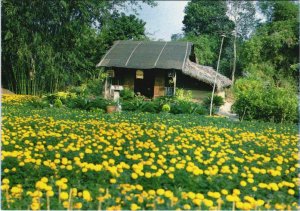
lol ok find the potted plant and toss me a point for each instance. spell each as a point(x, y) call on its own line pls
point(111, 106)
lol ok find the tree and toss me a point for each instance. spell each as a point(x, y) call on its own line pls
point(274, 47)
point(207, 17)
point(53, 41)
point(242, 13)
point(120, 27)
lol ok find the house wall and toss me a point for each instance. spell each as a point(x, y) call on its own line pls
point(159, 83)
point(199, 89)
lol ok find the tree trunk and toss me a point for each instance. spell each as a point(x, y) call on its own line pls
point(234, 58)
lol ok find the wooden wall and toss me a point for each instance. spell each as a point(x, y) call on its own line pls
point(159, 83)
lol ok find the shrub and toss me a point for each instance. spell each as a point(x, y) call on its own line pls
point(97, 103)
point(149, 106)
point(181, 107)
point(94, 87)
point(264, 101)
point(129, 106)
point(38, 103)
point(58, 103)
point(185, 95)
point(127, 94)
point(78, 102)
point(217, 101)
point(166, 108)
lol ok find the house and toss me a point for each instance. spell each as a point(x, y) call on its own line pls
point(157, 68)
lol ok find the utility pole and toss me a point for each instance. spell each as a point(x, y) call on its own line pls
point(214, 87)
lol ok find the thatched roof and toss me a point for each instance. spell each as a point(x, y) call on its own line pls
point(205, 74)
point(147, 55)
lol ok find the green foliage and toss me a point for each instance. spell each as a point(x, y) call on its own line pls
point(38, 103)
point(97, 103)
point(274, 45)
point(127, 94)
point(166, 108)
point(60, 41)
point(262, 100)
point(149, 106)
point(122, 27)
point(185, 95)
point(186, 107)
point(207, 17)
point(95, 86)
point(206, 48)
point(58, 103)
point(217, 101)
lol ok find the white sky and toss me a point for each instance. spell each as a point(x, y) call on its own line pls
point(164, 19)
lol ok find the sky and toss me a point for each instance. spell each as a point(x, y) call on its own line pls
point(164, 19)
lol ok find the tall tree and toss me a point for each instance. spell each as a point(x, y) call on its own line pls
point(242, 13)
point(204, 23)
point(207, 17)
point(53, 41)
point(273, 50)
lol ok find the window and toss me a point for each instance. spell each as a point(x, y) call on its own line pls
point(111, 73)
point(139, 74)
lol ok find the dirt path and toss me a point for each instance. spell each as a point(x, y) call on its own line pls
point(6, 91)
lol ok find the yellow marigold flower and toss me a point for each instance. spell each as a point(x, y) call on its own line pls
point(50, 193)
point(134, 207)
point(260, 202)
point(64, 196)
point(5, 181)
point(291, 192)
point(86, 195)
point(151, 192)
point(35, 206)
point(208, 203)
point(134, 176)
point(171, 176)
point(168, 194)
point(236, 192)
point(160, 192)
point(65, 180)
point(186, 207)
point(148, 175)
point(197, 201)
point(199, 196)
point(224, 192)
point(44, 179)
point(66, 204)
point(77, 205)
point(113, 181)
point(254, 188)
point(243, 183)
point(191, 195)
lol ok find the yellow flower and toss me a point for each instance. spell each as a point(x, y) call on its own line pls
point(64, 196)
point(77, 205)
point(35, 206)
point(50, 193)
point(186, 207)
point(5, 181)
point(243, 183)
point(148, 175)
point(86, 195)
point(113, 181)
point(291, 192)
point(134, 207)
point(160, 192)
point(224, 192)
point(134, 176)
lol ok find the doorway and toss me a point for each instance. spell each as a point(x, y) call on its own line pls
point(144, 82)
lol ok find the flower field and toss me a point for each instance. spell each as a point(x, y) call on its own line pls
point(71, 159)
